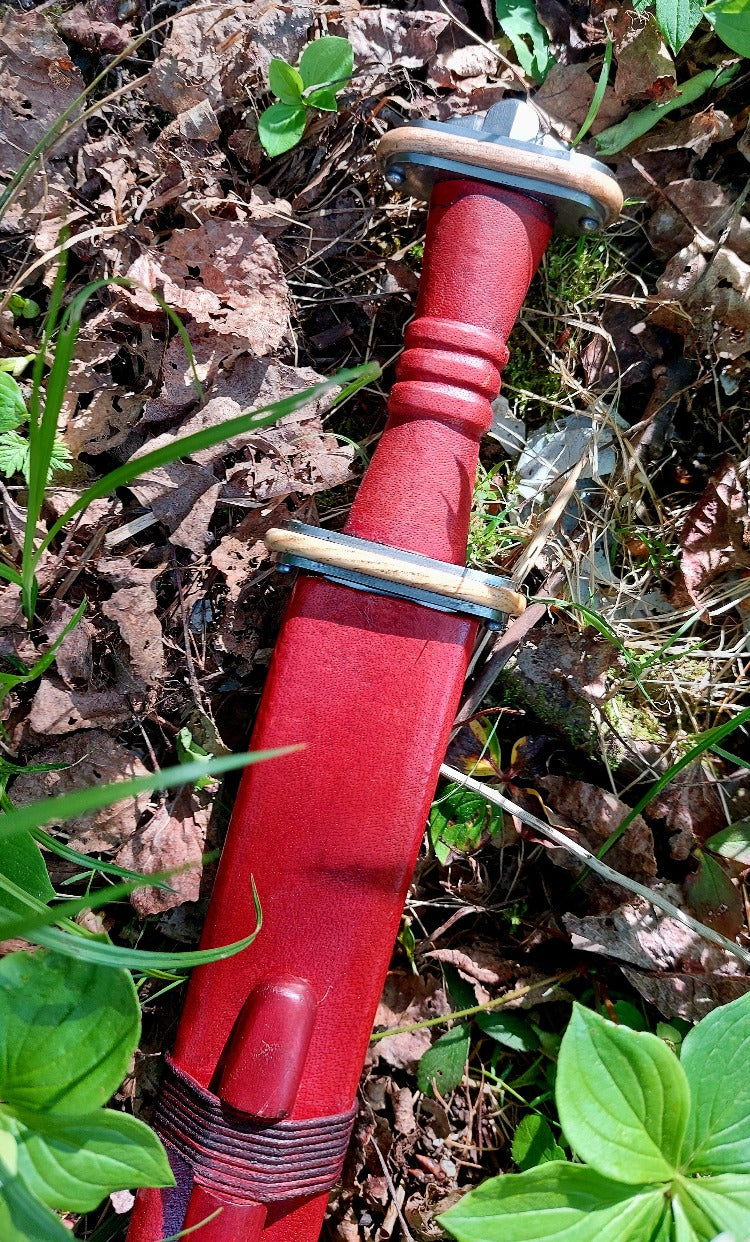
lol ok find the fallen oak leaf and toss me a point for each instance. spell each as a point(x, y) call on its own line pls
point(715, 536)
point(173, 840)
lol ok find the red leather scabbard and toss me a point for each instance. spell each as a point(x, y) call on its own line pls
point(370, 685)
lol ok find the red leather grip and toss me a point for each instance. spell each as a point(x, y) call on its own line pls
point(370, 685)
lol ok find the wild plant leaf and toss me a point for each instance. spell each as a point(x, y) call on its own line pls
point(23, 1218)
point(14, 454)
point(518, 20)
point(12, 405)
point(23, 308)
point(677, 20)
point(21, 861)
point(713, 1204)
point(509, 1029)
point(623, 1099)
point(72, 1163)
point(327, 62)
point(714, 1058)
point(442, 1066)
point(731, 21)
point(285, 82)
point(458, 821)
point(713, 897)
point(636, 124)
point(557, 1202)
point(534, 1143)
point(324, 98)
point(281, 127)
point(67, 1032)
point(732, 842)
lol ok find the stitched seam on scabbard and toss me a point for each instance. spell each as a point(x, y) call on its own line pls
point(248, 1160)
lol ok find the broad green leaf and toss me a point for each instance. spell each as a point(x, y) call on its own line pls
point(12, 404)
point(713, 897)
point(442, 1066)
point(556, 1202)
point(281, 127)
point(732, 842)
point(21, 861)
point(14, 454)
point(327, 62)
point(67, 1032)
point(518, 20)
point(711, 1204)
point(23, 308)
point(534, 1143)
point(622, 1097)
point(609, 142)
point(285, 82)
point(22, 1218)
point(324, 98)
point(508, 1029)
point(715, 1057)
point(731, 21)
point(72, 1163)
point(677, 20)
point(459, 820)
point(629, 1015)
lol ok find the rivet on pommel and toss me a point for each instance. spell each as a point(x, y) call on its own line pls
point(588, 224)
point(395, 176)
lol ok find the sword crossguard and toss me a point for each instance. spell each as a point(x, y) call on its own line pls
point(505, 146)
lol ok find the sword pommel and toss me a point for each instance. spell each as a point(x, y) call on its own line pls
point(506, 146)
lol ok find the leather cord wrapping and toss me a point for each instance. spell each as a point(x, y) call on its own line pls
point(248, 1160)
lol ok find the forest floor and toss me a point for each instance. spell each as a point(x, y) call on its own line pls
point(623, 400)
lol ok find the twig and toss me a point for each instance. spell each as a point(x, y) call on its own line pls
point(594, 863)
point(408, 1237)
point(455, 1014)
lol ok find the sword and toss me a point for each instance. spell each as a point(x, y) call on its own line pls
point(258, 1099)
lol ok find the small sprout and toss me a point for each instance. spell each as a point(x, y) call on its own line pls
point(324, 69)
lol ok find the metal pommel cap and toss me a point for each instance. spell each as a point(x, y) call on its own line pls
point(504, 146)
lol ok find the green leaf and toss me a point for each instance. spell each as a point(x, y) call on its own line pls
point(281, 127)
point(731, 21)
point(518, 20)
point(324, 98)
point(13, 410)
point(23, 308)
point(622, 1097)
point(67, 1032)
point(732, 842)
point(21, 861)
point(713, 897)
point(677, 20)
point(23, 1218)
point(609, 142)
point(60, 459)
point(459, 820)
point(508, 1029)
point(285, 82)
point(556, 1202)
point(534, 1143)
point(327, 62)
point(14, 454)
point(72, 1163)
point(442, 1066)
point(715, 1057)
point(711, 1204)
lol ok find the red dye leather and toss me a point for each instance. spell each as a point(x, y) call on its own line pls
point(370, 685)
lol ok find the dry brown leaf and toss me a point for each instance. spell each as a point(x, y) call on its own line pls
point(645, 69)
point(694, 133)
point(56, 710)
point(386, 39)
point(687, 995)
point(715, 536)
point(183, 496)
point(406, 999)
point(133, 609)
point(175, 836)
point(707, 297)
point(74, 657)
point(594, 814)
point(226, 275)
point(476, 964)
point(78, 26)
point(95, 758)
point(691, 808)
point(691, 205)
point(238, 555)
point(566, 94)
point(562, 675)
point(38, 81)
point(216, 56)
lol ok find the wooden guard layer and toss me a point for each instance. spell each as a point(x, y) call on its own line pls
point(387, 568)
point(530, 161)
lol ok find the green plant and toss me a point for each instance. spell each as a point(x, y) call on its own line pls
point(664, 1144)
point(67, 1033)
point(677, 19)
point(518, 20)
point(15, 449)
point(325, 67)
